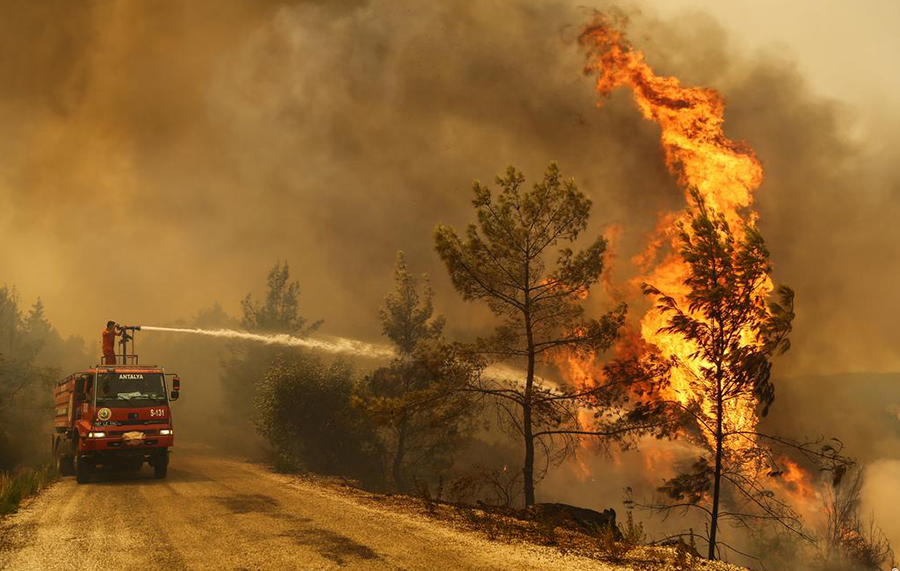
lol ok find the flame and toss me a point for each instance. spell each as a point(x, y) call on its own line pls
point(797, 485)
point(797, 481)
point(725, 173)
point(698, 153)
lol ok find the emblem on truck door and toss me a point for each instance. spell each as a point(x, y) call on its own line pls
point(104, 414)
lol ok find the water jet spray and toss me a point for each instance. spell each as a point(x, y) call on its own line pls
point(334, 345)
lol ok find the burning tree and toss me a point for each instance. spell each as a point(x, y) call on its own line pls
point(415, 400)
point(709, 340)
point(848, 541)
point(730, 333)
point(503, 261)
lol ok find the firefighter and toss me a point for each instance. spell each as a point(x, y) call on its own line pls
point(109, 342)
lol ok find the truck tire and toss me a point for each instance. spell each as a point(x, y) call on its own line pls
point(160, 467)
point(64, 465)
point(63, 462)
point(82, 470)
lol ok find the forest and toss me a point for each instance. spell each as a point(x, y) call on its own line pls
point(484, 420)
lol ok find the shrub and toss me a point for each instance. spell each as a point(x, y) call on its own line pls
point(616, 543)
point(24, 482)
point(303, 409)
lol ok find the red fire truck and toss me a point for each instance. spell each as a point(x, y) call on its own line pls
point(114, 416)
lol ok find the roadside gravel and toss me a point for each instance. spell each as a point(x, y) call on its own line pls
point(214, 513)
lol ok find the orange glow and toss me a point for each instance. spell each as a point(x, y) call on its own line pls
point(581, 469)
point(658, 460)
point(796, 480)
point(697, 152)
point(613, 289)
point(796, 484)
point(724, 171)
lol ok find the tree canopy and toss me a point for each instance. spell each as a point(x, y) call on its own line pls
point(517, 258)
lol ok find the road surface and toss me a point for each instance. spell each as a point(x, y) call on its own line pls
point(222, 514)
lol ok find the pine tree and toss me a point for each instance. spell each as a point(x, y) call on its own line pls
point(507, 260)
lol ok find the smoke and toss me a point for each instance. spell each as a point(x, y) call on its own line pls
point(334, 134)
point(339, 345)
point(157, 157)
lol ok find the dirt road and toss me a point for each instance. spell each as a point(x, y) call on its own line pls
point(223, 514)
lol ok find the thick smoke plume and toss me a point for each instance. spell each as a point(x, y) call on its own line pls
point(143, 142)
point(158, 156)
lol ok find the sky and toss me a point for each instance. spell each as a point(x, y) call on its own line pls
point(157, 158)
point(845, 50)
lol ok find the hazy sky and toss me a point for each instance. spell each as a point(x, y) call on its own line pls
point(845, 50)
point(157, 157)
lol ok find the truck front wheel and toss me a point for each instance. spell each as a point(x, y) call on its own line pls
point(82, 470)
point(161, 466)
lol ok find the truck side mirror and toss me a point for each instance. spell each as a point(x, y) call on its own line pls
point(176, 387)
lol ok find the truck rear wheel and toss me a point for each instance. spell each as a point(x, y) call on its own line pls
point(63, 462)
point(64, 465)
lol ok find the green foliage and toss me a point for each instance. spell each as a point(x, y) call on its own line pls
point(407, 318)
point(31, 354)
point(24, 482)
point(422, 414)
point(503, 261)
point(246, 364)
point(507, 260)
point(416, 401)
point(303, 410)
point(280, 313)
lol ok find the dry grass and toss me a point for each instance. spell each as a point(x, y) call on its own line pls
point(498, 523)
point(617, 546)
point(24, 482)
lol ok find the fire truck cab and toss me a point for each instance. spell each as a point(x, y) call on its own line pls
point(113, 416)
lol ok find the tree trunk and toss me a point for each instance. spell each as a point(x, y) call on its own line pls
point(528, 470)
point(529, 456)
point(717, 474)
point(397, 467)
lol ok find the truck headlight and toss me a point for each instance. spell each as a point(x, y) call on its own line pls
point(165, 432)
point(96, 435)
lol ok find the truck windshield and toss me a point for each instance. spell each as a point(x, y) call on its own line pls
point(130, 390)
